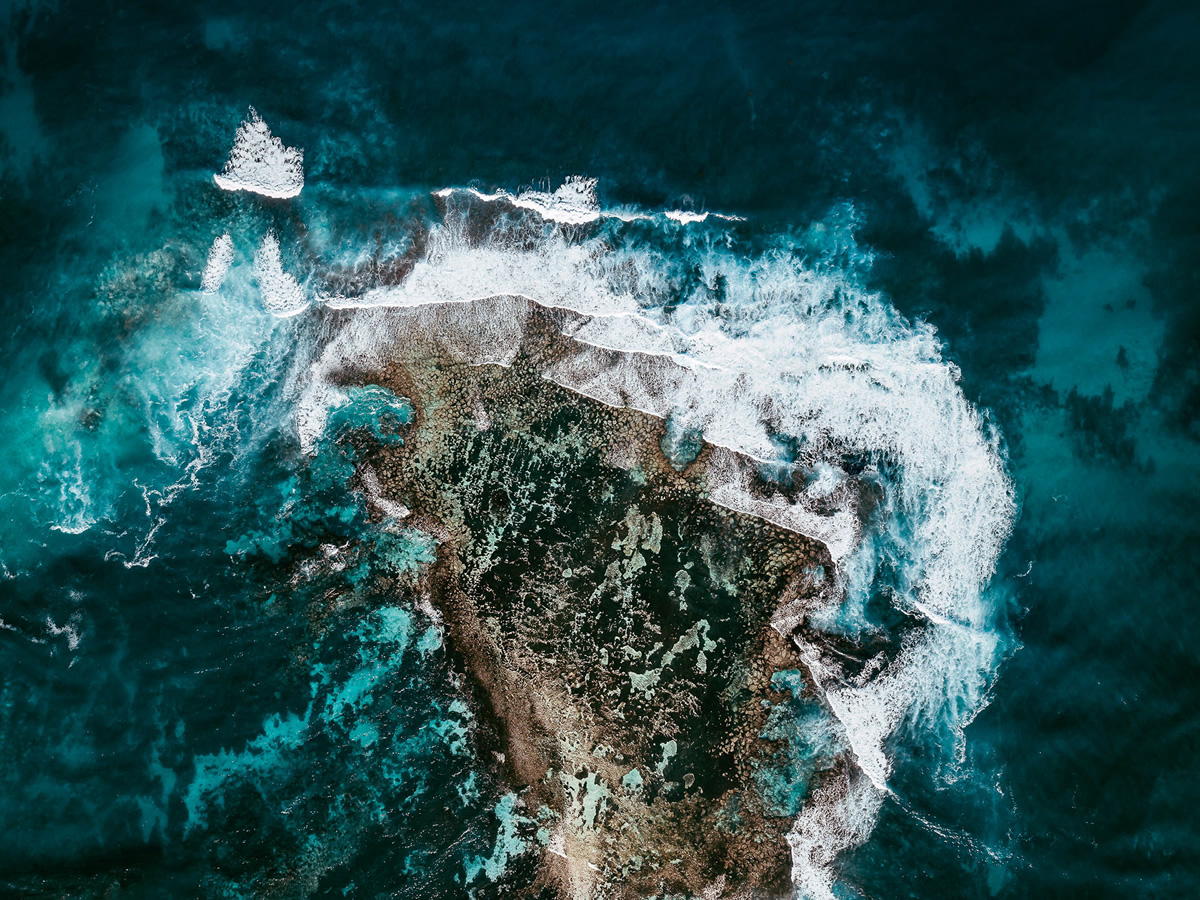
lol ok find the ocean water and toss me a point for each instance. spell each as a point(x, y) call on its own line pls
point(912, 282)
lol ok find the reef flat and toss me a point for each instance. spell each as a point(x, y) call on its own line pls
point(615, 622)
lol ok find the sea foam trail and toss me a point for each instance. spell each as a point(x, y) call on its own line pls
point(220, 257)
point(260, 163)
point(282, 295)
point(784, 350)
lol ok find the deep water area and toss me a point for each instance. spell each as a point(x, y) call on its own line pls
point(599, 450)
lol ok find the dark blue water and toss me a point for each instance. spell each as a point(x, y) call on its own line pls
point(187, 710)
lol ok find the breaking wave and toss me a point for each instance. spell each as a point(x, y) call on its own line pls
point(261, 164)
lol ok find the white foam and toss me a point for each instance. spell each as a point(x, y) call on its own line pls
point(281, 294)
point(574, 202)
point(829, 479)
point(374, 491)
point(685, 217)
point(788, 350)
point(220, 257)
point(71, 630)
point(74, 510)
point(840, 815)
point(730, 483)
point(260, 163)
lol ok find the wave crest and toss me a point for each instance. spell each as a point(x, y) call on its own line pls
point(260, 163)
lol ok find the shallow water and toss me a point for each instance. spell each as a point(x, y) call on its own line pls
point(182, 707)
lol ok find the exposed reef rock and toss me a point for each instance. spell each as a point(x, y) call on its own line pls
point(614, 620)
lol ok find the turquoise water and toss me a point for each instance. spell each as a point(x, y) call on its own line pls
point(218, 677)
